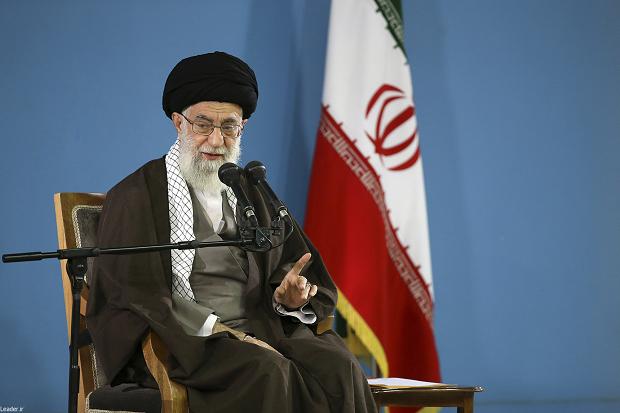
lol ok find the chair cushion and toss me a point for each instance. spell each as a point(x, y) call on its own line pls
point(126, 397)
point(85, 223)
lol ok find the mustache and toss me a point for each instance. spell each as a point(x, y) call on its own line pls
point(210, 149)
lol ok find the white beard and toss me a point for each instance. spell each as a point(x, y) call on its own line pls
point(200, 173)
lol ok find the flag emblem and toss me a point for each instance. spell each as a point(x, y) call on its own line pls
point(395, 128)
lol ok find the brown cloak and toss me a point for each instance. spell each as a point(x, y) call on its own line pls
point(130, 294)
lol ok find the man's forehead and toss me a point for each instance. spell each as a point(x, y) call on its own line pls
point(220, 108)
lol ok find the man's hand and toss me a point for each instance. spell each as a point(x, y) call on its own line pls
point(250, 339)
point(295, 290)
point(219, 327)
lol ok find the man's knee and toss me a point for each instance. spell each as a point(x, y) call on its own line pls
point(344, 362)
point(270, 366)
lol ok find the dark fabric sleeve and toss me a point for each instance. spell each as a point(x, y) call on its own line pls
point(130, 293)
point(116, 330)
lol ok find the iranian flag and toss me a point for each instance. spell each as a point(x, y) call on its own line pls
point(366, 207)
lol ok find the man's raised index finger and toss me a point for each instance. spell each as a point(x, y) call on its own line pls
point(299, 265)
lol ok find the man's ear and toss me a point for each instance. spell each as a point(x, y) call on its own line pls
point(176, 121)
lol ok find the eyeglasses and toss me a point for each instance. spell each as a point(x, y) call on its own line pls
point(228, 130)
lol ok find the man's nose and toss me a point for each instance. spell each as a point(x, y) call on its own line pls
point(216, 139)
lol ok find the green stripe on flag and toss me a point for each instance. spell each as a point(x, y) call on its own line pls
point(393, 14)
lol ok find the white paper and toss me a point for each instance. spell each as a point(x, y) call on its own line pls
point(398, 382)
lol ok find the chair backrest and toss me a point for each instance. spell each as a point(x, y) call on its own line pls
point(77, 219)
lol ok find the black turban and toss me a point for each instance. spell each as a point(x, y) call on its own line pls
point(217, 77)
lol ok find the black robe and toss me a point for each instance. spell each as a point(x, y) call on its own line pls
point(130, 294)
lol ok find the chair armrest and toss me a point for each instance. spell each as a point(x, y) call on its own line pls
point(325, 325)
point(173, 395)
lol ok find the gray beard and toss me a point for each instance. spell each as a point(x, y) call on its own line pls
point(199, 173)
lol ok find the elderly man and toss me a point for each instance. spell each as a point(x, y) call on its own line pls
point(240, 326)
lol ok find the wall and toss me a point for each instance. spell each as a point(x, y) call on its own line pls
point(519, 108)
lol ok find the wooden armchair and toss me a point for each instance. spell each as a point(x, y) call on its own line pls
point(77, 218)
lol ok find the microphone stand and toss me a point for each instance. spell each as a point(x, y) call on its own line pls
point(257, 239)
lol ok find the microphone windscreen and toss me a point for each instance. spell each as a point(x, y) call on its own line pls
point(255, 171)
point(229, 174)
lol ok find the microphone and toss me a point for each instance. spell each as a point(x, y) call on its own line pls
point(230, 174)
point(256, 172)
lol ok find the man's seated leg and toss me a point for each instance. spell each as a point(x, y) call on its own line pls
point(240, 376)
point(326, 359)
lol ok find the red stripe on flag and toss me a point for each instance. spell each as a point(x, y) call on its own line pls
point(348, 221)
